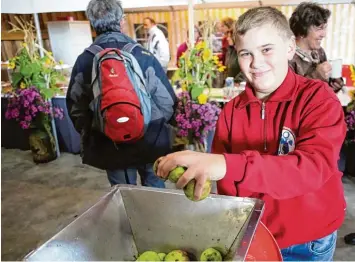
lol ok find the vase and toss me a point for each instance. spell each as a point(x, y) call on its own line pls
point(41, 145)
point(218, 82)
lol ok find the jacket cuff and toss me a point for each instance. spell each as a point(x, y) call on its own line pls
point(236, 165)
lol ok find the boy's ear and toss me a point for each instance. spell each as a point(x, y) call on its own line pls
point(291, 48)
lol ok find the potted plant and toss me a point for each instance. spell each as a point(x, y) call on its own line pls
point(33, 80)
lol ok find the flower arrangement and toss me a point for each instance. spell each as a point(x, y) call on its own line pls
point(34, 82)
point(28, 107)
point(195, 120)
point(198, 67)
point(29, 68)
point(195, 115)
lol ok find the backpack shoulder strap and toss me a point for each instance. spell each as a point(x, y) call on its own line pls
point(94, 49)
point(129, 47)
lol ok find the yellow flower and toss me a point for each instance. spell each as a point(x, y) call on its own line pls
point(24, 45)
point(352, 95)
point(200, 45)
point(48, 61)
point(215, 59)
point(50, 53)
point(184, 87)
point(61, 62)
point(206, 54)
point(189, 63)
point(11, 65)
point(202, 99)
point(22, 85)
point(221, 68)
point(183, 55)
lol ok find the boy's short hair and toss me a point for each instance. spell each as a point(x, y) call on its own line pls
point(306, 15)
point(260, 16)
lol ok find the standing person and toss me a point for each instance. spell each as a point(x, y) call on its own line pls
point(226, 27)
point(157, 43)
point(231, 61)
point(121, 161)
point(278, 141)
point(309, 24)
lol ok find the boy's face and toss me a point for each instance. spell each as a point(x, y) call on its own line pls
point(263, 58)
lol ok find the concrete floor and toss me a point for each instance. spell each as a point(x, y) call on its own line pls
point(40, 200)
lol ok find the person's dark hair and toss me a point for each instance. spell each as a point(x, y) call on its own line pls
point(151, 20)
point(306, 15)
point(105, 15)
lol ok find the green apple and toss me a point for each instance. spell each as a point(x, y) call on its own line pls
point(189, 190)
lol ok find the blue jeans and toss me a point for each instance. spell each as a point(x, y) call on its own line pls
point(129, 176)
point(318, 250)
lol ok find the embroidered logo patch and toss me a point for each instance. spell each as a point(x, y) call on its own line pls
point(287, 141)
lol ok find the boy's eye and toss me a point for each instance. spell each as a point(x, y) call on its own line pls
point(244, 54)
point(266, 50)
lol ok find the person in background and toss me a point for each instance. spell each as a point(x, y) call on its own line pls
point(121, 161)
point(309, 24)
point(278, 141)
point(216, 38)
point(226, 27)
point(231, 61)
point(157, 43)
point(183, 47)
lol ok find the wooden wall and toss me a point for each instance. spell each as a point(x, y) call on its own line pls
point(340, 42)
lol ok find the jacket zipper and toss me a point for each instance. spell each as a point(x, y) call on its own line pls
point(263, 117)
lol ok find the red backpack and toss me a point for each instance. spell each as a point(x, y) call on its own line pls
point(121, 105)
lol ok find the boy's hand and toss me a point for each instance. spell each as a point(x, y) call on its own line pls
point(200, 166)
point(324, 69)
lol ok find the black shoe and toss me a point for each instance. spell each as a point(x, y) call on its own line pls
point(350, 239)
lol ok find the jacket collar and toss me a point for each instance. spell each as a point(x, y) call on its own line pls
point(313, 57)
point(285, 92)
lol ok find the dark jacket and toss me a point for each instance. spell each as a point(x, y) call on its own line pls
point(305, 65)
point(96, 149)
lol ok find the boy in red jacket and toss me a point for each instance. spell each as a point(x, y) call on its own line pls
point(278, 141)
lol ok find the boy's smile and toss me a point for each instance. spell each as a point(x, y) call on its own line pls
point(263, 55)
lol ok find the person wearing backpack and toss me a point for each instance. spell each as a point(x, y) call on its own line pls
point(120, 101)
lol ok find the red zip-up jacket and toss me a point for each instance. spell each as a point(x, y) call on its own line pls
point(285, 151)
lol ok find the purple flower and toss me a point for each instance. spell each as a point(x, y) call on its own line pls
point(15, 113)
point(24, 125)
point(28, 118)
point(7, 114)
point(27, 104)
